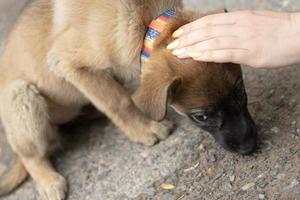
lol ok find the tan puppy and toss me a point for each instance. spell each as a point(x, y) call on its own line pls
point(63, 55)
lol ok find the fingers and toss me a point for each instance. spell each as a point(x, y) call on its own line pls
point(219, 43)
point(279, 15)
point(203, 34)
point(222, 56)
point(216, 19)
point(244, 37)
point(224, 19)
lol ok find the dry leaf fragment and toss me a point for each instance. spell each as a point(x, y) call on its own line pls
point(232, 178)
point(167, 186)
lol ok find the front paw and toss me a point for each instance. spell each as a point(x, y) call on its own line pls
point(55, 188)
point(162, 129)
point(150, 135)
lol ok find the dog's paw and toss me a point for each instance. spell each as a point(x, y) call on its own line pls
point(162, 129)
point(147, 138)
point(55, 188)
point(153, 133)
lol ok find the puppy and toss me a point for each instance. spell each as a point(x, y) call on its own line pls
point(63, 55)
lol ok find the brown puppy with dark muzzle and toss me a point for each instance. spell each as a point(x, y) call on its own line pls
point(63, 55)
point(212, 95)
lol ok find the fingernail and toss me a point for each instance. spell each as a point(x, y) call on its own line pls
point(178, 33)
point(173, 45)
point(195, 54)
point(178, 52)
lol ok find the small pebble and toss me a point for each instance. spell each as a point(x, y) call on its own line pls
point(210, 172)
point(294, 183)
point(275, 130)
point(260, 176)
point(248, 186)
point(261, 196)
point(227, 187)
point(268, 144)
point(275, 172)
point(212, 158)
point(271, 93)
point(262, 183)
point(232, 162)
point(145, 154)
point(280, 176)
point(103, 175)
point(168, 196)
point(297, 190)
point(182, 188)
point(230, 172)
point(201, 147)
point(171, 152)
point(149, 192)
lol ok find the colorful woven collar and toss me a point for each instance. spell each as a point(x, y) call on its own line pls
point(156, 27)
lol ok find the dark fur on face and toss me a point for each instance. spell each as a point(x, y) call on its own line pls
point(210, 94)
point(229, 121)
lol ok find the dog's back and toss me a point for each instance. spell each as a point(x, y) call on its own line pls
point(112, 29)
point(26, 46)
point(25, 56)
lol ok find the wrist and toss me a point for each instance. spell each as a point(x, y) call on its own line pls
point(294, 36)
point(294, 20)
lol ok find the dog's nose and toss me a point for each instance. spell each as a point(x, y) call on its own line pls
point(247, 149)
point(248, 144)
point(243, 149)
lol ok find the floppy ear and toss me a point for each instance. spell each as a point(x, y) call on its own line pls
point(153, 94)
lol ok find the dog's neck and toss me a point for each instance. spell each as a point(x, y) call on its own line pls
point(156, 27)
point(157, 40)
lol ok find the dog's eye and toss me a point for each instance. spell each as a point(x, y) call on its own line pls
point(199, 117)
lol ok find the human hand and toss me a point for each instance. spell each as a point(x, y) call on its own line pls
point(257, 38)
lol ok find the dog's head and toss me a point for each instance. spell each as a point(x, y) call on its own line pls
point(210, 94)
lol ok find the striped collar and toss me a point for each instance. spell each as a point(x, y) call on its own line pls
point(156, 27)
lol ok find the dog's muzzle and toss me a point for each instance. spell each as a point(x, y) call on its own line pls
point(238, 133)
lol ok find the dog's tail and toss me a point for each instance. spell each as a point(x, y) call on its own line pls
point(12, 178)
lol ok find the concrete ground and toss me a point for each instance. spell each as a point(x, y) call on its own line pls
point(101, 164)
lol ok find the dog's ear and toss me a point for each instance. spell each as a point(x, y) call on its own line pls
point(153, 95)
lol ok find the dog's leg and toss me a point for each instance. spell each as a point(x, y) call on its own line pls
point(115, 101)
point(25, 117)
point(111, 98)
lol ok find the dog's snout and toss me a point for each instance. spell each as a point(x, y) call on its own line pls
point(239, 134)
point(243, 149)
point(247, 149)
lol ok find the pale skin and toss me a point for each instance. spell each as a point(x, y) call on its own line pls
point(261, 39)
